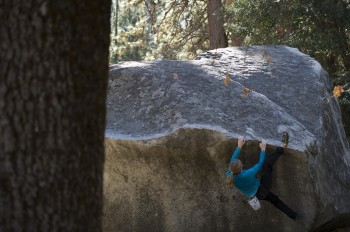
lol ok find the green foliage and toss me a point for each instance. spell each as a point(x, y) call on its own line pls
point(150, 29)
point(316, 27)
point(181, 30)
point(129, 32)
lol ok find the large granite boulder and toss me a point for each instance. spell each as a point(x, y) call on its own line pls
point(172, 127)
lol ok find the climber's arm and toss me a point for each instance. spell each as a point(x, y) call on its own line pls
point(256, 168)
point(236, 154)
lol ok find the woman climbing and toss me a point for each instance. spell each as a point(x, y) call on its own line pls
point(247, 182)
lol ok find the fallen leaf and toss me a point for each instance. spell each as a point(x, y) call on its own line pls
point(338, 90)
point(246, 91)
point(227, 79)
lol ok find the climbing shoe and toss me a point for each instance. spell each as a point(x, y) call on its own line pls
point(285, 138)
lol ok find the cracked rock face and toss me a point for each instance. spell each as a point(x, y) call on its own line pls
point(172, 127)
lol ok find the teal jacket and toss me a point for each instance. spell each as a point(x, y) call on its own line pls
point(246, 181)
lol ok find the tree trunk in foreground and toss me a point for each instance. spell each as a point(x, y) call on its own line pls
point(217, 35)
point(53, 77)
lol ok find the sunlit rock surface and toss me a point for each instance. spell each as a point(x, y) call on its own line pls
point(172, 127)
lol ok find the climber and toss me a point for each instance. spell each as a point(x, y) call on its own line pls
point(247, 182)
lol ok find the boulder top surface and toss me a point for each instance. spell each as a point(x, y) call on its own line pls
point(287, 90)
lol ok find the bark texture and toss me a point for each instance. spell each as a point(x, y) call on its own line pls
point(217, 35)
point(53, 75)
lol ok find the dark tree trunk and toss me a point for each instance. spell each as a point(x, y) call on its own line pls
point(217, 35)
point(53, 77)
point(116, 17)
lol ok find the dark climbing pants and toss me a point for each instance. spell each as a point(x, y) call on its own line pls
point(264, 191)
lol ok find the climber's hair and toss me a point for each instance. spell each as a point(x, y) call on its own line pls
point(236, 168)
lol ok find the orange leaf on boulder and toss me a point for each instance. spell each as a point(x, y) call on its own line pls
point(337, 90)
point(227, 79)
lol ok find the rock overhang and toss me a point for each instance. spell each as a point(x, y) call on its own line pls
point(180, 178)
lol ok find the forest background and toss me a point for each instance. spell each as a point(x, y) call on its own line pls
point(52, 122)
point(183, 29)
